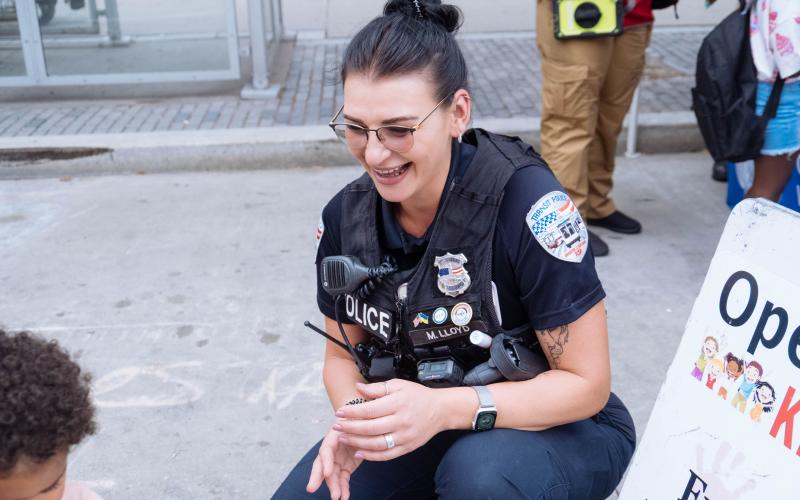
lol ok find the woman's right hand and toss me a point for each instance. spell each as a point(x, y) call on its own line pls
point(335, 463)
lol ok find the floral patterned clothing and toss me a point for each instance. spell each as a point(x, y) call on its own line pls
point(775, 38)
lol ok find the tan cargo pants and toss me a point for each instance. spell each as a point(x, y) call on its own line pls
point(587, 87)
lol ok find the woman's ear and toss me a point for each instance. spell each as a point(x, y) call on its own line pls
point(461, 112)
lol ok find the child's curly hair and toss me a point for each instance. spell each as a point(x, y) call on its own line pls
point(44, 400)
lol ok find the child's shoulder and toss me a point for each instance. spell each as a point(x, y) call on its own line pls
point(76, 490)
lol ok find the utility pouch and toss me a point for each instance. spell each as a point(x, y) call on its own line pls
point(586, 18)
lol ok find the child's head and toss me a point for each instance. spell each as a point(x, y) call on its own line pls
point(765, 394)
point(710, 347)
point(716, 367)
point(45, 409)
point(734, 367)
point(753, 372)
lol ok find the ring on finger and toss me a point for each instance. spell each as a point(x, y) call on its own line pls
point(389, 441)
point(386, 387)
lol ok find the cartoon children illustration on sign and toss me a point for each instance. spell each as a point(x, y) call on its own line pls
point(752, 375)
point(764, 399)
point(713, 371)
point(709, 350)
point(734, 367)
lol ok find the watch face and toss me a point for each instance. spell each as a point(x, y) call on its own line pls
point(485, 420)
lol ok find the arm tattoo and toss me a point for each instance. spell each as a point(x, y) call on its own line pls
point(555, 339)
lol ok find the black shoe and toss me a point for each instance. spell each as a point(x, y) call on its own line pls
point(598, 246)
point(719, 171)
point(617, 222)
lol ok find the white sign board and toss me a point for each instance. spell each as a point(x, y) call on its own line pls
point(726, 423)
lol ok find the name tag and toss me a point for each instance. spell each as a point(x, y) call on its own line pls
point(427, 336)
point(374, 319)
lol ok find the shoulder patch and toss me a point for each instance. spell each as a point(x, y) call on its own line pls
point(320, 232)
point(557, 225)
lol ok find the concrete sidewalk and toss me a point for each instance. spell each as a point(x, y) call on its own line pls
point(185, 294)
point(225, 132)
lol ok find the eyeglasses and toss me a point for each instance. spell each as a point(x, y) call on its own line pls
point(395, 137)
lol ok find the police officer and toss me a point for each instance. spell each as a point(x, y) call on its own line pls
point(484, 237)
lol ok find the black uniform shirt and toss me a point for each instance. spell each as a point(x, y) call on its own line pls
point(533, 286)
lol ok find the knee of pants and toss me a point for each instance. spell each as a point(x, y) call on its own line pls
point(497, 464)
point(294, 486)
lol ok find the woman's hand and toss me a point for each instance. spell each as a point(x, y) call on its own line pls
point(402, 413)
point(335, 464)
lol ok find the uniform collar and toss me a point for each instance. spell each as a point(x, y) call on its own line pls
point(394, 238)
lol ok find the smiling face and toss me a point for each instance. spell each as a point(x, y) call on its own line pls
point(751, 374)
point(765, 395)
point(710, 347)
point(733, 370)
point(30, 481)
point(417, 175)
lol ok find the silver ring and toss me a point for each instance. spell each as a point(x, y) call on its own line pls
point(386, 387)
point(389, 441)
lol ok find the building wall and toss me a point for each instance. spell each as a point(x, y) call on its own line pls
point(342, 18)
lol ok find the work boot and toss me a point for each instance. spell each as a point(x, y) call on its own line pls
point(598, 246)
point(617, 222)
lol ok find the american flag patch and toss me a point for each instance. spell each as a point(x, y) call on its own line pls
point(320, 232)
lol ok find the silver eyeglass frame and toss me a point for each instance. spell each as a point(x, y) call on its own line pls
point(332, 124)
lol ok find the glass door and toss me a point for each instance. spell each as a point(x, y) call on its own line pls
point(12, 59)
point(137, 36)
point(80, 42)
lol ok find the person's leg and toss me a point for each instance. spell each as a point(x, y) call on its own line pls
point(572, 73)
point(624, 73)
point(773, 168)
point(408, 476)
point(552, 464)
point(771, 175)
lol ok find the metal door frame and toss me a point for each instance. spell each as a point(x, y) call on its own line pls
point(36, 66)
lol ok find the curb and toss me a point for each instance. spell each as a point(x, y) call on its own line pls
point(262, 148)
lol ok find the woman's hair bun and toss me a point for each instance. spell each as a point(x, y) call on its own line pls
point(447, 16)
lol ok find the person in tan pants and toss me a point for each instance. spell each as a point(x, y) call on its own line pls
point(587, 88)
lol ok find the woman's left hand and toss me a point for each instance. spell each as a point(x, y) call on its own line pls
point(401, 412)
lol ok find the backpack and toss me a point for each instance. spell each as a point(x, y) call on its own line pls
point(724, 98)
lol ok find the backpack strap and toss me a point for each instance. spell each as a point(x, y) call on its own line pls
point(771, 109)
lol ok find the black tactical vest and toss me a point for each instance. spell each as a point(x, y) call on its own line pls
point(448, 294)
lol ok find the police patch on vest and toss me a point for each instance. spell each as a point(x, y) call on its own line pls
point(444, 333)
point(440, 315)
point(453, 277)
point(374, 319)
point(461, 314)
point(318, 235)
point(556, 224)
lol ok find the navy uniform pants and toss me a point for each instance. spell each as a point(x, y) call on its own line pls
point(582, 460)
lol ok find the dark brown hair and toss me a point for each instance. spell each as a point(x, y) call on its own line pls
point(411, 37)
point(45, 406)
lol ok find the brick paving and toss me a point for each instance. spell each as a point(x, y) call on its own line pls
point(505, 81)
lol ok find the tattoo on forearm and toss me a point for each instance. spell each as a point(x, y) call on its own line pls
point(555, 340)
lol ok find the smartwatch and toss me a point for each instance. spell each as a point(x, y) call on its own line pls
point(486, 414)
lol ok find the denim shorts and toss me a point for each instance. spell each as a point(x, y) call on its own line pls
point(783, 131)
